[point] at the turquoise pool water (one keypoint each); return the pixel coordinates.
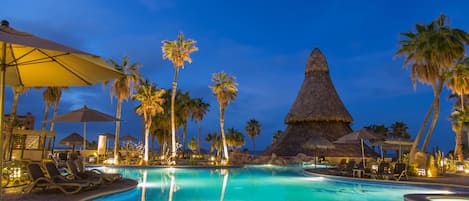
(256, 183)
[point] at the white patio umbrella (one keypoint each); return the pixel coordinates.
(30, 61)
(359, 136)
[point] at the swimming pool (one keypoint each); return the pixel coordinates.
(272, 183)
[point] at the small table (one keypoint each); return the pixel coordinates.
(358, 172)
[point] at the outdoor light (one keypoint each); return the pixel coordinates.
(429, 173)
(374, 167)
(212, 158)
(421, 172)
(16, 172)
(162, 157)
(466, 171)
(459, 167)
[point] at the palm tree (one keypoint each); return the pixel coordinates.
(277, 135)
(199, 111)
(235, 138)
(214, 139)
(122, 88)
(460, 120)
(151, 104)
(458, 82)
(51, 97)
(253, 128)
(17, 91)
(178, 52)
(193, 144)
(225, 89)
(399, 129)
(430, 52)
(184, 112)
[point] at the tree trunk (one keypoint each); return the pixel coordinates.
(253, 146)
(6, 143)
(52, 124)
(413, 150)
(459, 133)
(435, 116)
(198, 136)
(147, 133)
(44, 125)
(117, 134)
(173, 125)
(184, 135)
(458, 146)
(222, 131)
(46, 113)
(152, 142)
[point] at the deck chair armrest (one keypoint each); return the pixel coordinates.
(62, 178)
(43, 179)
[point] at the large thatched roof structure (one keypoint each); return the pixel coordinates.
(317, 112)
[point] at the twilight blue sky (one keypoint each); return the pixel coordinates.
(264, 44)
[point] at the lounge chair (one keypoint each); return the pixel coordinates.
(56, 176)
(400, 170)
(39, 180)
(348, 170)
(73, 169)
(107, 177)
(383, 171)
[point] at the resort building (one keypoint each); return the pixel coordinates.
(26, 120)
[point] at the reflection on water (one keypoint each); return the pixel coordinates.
(224, 172)
(271, 183)
(144, 184)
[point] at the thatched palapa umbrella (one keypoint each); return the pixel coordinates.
(358, 137)
(316, 144)
(128, 138)
(73, 139)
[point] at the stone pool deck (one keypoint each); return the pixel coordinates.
(15, 194)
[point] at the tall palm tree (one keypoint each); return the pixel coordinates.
(122, 88)
(17, 91)
(199, 111)
(150, 105)
(225, 89)
(178, 52)
(458, 82)
(51, 97)
(253, 128)
(430, 52)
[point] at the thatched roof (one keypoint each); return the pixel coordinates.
(297, 135)
(317, 113)
(317, 99)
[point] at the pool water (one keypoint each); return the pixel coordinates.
(272, 183)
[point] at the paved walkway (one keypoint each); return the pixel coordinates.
(460, 179)
(15, 194)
